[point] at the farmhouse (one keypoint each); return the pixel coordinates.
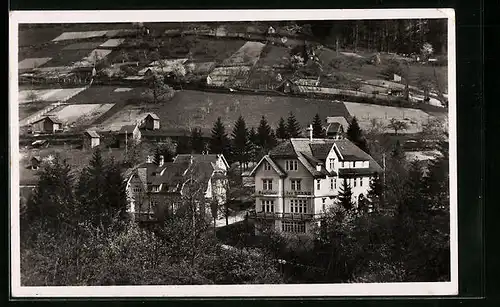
(300, 178)
(47, 124)
(150, 121)
(90, 139)
(155, 190)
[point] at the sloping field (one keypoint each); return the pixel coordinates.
(247, 55)
(28, 109)
(114, 42)
(48, 95)
(106, 94)
(230, 76)
(163, 66)
(30, 63)
(67, 57)
(214, 50)
(126, 116)
(94, 55)
(80, 114)
(201, 109)
(80, 35)
(366, 112)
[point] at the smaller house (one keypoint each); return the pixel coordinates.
(128, 135)
(338, 119)
(334, 131)
(91, 139)
(271, 30)
(35, 162)
(150, 121)
(46, 124)
(397, 78)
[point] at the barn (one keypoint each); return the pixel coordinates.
(47, 124)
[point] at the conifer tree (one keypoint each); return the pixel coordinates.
(293, 127)
(240, 141)
(53, 199)
(219, 141)
(281, 131)
(252, 144)
(355, 135)
(345, 195)
(183, 145)
(265, 135)
(318, 131)
(376, 192)
(436, 183)
(196, 143)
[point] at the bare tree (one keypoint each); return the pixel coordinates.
(397, 125)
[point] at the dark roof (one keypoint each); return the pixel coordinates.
(273, 164)
(152, 115)
(92, 133)
(284, 149)
(333, 128)
(351, 152)
(52, 118)
(321, 151)
(127, 129)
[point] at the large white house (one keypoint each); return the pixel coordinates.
(300, 178)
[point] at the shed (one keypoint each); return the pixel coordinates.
(150, 121)
(47, 124)
(91, 139)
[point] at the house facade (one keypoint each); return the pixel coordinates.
(47, 124)
(156, 189)
(301, 178)
(91, 139)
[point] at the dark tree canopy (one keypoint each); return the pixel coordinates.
(318, 131)
(240, 141)
(265, 138)
(293, 128)
(219, 141)
(345, 195)
(197, 143)
(355, 135)
(281, 130)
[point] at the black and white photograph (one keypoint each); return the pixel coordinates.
(243, 154)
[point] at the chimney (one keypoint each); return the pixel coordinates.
(149, 159)
(162, 161)
(310, 129)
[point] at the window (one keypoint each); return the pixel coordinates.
(137, 189)
(153, 202)
(318, 184)
(355, 180)
(354, 164)
(267, 206)
(267, 166)
(323, 203)
(361, 181)
(298, 206)
(296, 227)
(335, 183)
(332, 183)
(343, 164)
(291, 165)
(267, 184)
(155, 188)
(332, 163)
(295, 184)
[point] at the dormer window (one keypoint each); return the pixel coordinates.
(291, 165)
(155, 188)
(332, 163)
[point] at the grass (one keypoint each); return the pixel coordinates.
(28, 109)
(81, 114)
(189, 109)
(106, 94)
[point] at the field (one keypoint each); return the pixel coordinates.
(366, 112)
(30, 63)
(189, 109)
(28, 109)
(126, 116)
(80, 114)
(107, 94)
(53, 95)
(247, 55)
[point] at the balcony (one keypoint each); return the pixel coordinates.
(285, 216)
(266, 193)
(297, 193)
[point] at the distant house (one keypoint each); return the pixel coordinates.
(397, 78)
(155, 190)
(297, 84)
(35, 162)
(271, 30)
(91, 139)
(47, 124)
(338, 119)
(221, 31)
(128, 135)
(150, 122)
(334, 131)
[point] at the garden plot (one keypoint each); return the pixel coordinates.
(84, 45)
(48, 95)
(31, 63)
(124, 117)
(95, 55)
(164, 66)
(80, 35)
(200, 68)
(225, 76)
(365, 113)
(247, 55)
(114, 42)
(80, 114)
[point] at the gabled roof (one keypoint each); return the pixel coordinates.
(153, 116)
(351, 152)
(338, 119)
(52, 118)
(92, 133)
(284, 149)
(273, 164)
(199, 158)
(333, 128)
(127, 129)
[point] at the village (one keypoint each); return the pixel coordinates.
(260, 126)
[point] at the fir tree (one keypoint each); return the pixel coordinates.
(252, 144)
(53, 199)
(281, 131)
(345, 196)
(355, 135)
(196, 143)
(240, 141)
(436, 183)
(293, 127)
(376, 192)
(265, 135)
(398, 152)
(219, 142)
(318, 131)
(183, 145)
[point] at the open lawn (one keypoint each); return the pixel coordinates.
(52, 95)
(189, 109)
(80, 114)
(366, 112)
(28, 109)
